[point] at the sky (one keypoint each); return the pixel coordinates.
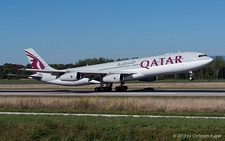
(64, 31)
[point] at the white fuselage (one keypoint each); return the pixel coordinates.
(140, 68)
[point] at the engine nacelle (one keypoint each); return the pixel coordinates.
(149, 79)
(72, 76)
(113, 78)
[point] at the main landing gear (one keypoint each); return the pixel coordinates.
(103, 89)
(108, 88)
(121, 88)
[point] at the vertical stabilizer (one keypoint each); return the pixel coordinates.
(36, 61)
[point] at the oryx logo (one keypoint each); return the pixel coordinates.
(34, 61)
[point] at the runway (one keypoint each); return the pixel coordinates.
(144, 92)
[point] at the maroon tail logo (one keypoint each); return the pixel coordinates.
(35, 62)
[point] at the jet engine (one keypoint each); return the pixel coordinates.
(72, 76)
(113, 78)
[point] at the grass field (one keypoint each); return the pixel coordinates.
(25, 127)
(198, 106)
(102, 128)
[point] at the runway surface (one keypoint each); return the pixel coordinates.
(144, 92)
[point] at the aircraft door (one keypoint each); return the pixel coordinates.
(188, 57)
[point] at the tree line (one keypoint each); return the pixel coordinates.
(215, 70)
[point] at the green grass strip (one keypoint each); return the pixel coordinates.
(23, 127)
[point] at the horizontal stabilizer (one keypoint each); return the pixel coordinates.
(45, 71)
(17, 67)
(26, 76)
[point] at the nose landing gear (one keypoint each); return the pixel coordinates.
(191, 78)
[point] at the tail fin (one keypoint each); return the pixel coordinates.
(36, 61)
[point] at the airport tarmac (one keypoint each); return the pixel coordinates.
(143, 92)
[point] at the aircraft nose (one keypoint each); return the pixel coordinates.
(210, 59)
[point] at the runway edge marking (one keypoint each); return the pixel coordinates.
(109, 115)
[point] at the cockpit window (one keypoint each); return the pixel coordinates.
(202, 55)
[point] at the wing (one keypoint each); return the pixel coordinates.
(94, 75)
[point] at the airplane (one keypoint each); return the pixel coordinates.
(142, 69)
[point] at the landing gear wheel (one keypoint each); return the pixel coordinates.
(97, 89)
(124, 88)
(103, 89)
(121, 88)
(108, 89)
(118, 89)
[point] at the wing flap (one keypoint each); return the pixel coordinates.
(104, 72)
